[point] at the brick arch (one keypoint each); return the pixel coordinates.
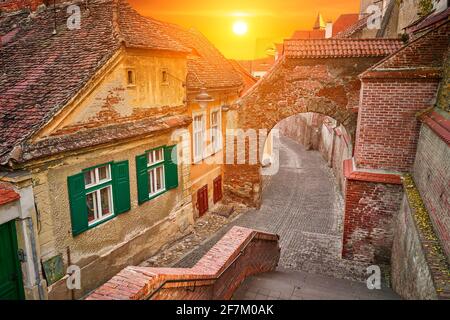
(326, 86)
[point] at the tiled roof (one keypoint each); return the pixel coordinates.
(352, 29)
(309, 34)
(345, 21)
(8, 196)
(248, 80)
(341, 48)
(421, 56)
(206, 65)
(40, 72)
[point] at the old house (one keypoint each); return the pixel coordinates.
(213, 84)
(87, 123)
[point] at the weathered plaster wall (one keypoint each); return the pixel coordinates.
(109, 99)
(128, 238)
(204, 172)
(407, 14)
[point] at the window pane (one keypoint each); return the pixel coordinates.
(91, 201)
(88, 177)
(159, 178)
(151, 182)
(105, 201)
(103, 173)
(158, 155)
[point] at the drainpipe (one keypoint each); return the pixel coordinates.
(29, 223)
(333, 141)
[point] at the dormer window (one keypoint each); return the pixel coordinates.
(131, 78)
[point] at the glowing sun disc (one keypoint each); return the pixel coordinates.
(240, 28)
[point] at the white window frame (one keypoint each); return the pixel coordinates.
(98, 210)
(201, 130)
(152, 171)
(218, 145)
(95, 177)
(152, 168)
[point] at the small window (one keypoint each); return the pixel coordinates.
(199, 137)
(97, 195)
(155, 157)
(157, 172)
(131, 78)
(99, 201)
(164, 77)
(216, 130)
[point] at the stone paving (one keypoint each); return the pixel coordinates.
(297, 285)
(301, 203)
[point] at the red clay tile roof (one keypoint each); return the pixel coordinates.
(423, 56)
(351, 30)
(309, 34)
(341, 48)
(206, 65)
(40, 72)
(248, 80)
(8, 196)
(344, 22)
(428, 21)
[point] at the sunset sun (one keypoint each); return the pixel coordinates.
(240, 28)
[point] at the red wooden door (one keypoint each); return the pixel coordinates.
(217, 196)
(202, 200)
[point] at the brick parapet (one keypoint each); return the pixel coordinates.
(248, 251)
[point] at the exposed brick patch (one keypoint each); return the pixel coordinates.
(368, 222)
(15, 5)
(240, 253)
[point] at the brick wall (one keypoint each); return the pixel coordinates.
(432, 176)
(388, 128)
(15, 5)
(419, 269)
(368, 222)
(240, 253)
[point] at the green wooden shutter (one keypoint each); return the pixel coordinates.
(171, 167)
(78, 207)
(142, 178)
(121, 187)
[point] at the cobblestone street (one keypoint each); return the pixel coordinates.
(301, 203)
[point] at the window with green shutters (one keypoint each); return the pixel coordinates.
(157, 172)
(98, 194)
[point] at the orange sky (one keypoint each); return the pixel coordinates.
(268, 20)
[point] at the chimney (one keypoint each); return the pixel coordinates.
(17, 5)
(329, 30)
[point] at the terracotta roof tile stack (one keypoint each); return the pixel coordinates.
(340, 48)
(206, 65)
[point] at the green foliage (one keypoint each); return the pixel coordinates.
(425, 7)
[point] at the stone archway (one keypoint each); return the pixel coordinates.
(329, 86)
